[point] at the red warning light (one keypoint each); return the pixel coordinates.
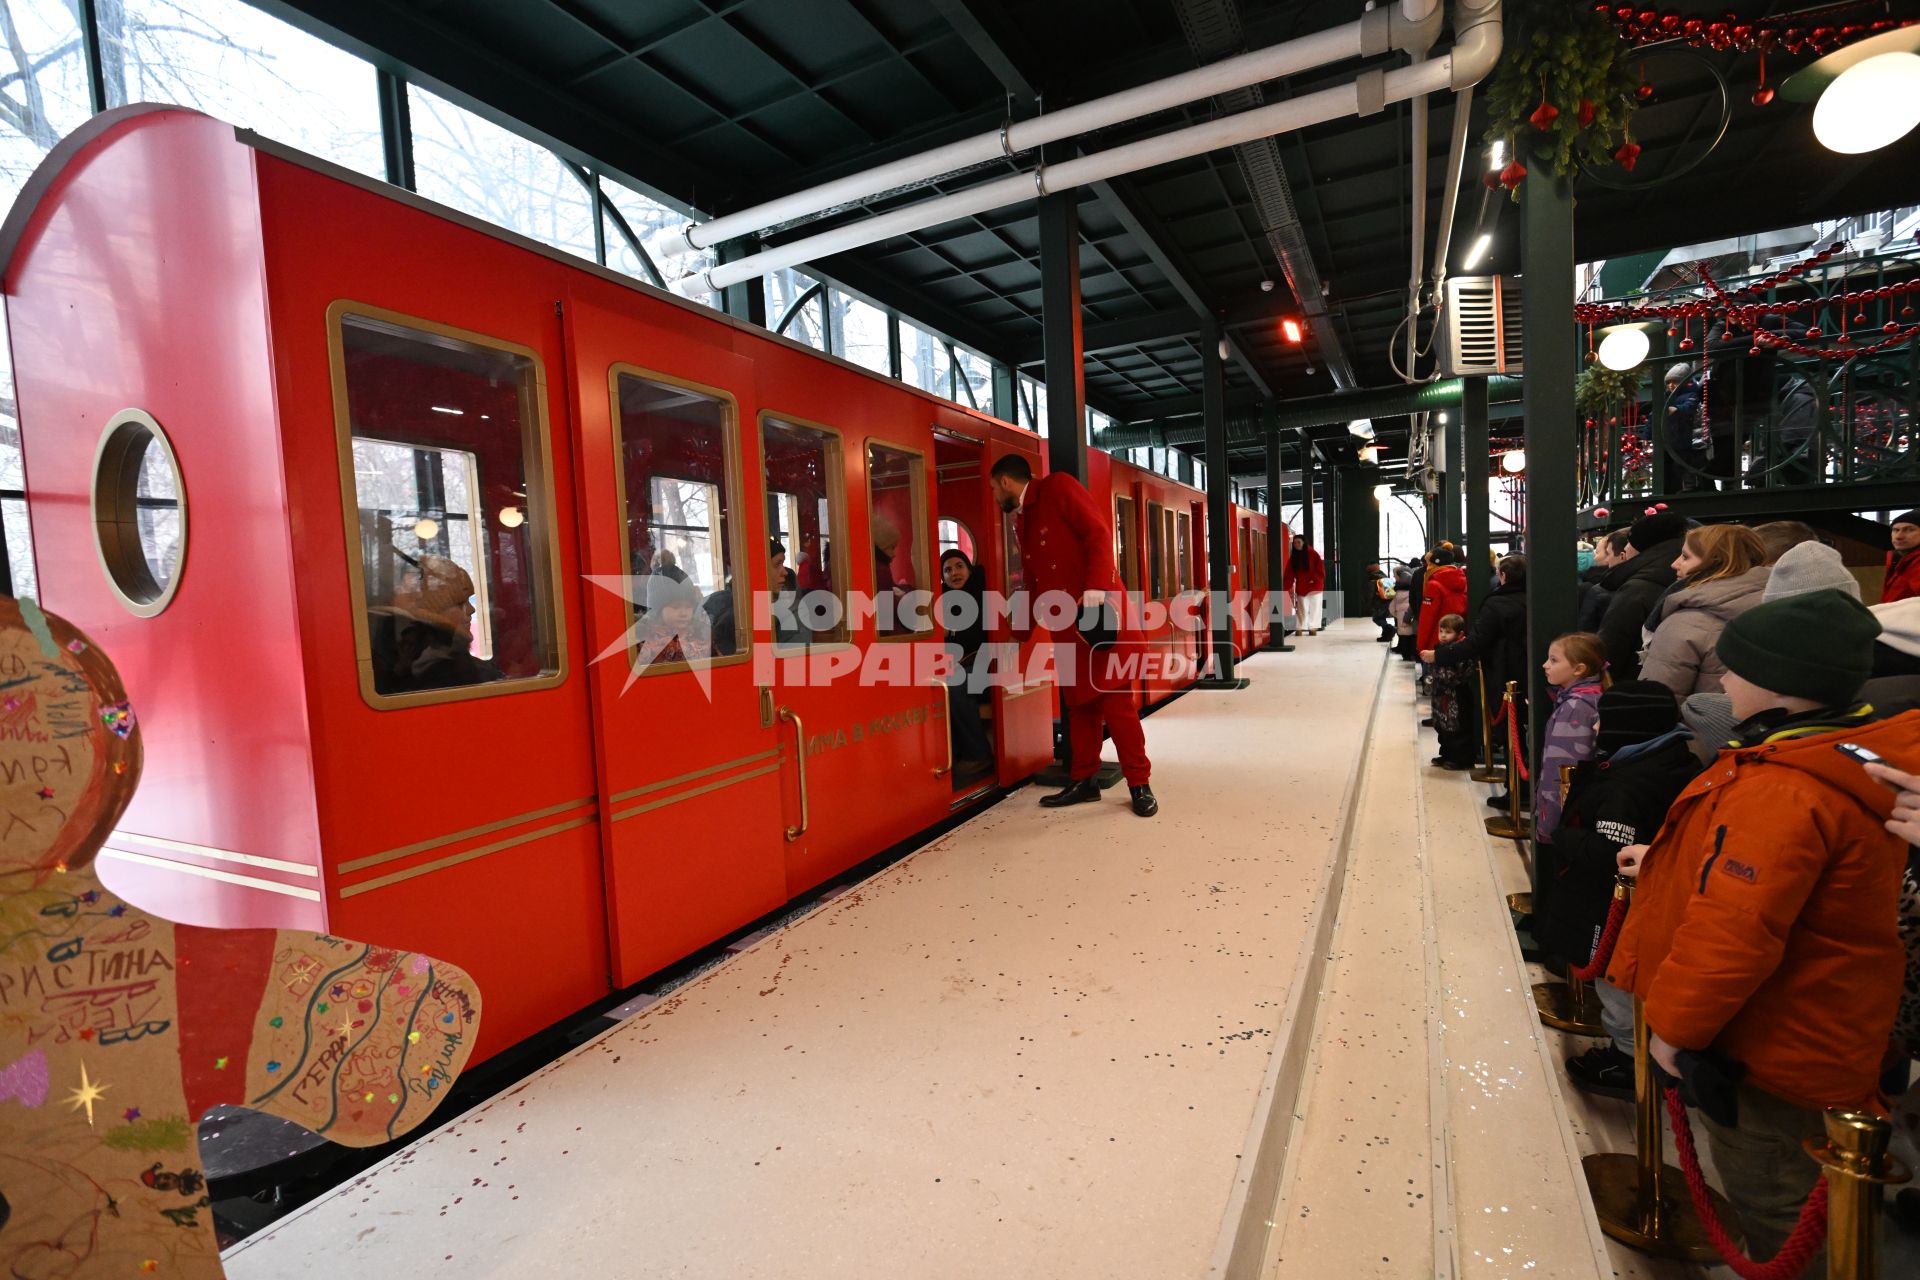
(1290, 330)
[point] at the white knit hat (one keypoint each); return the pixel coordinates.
(1809, 566)
(1679, 372)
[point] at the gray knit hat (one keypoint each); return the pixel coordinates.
(1679, 372)
(1710, 716)
(1810, 566)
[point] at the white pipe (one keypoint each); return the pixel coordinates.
(1472, 56)
(1450, 200)
(1290, 58)
(1419, 247)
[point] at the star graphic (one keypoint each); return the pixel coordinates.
(345, 1029)
(117, 910)
(219, 1064)
(86, 1095)
(133, 1113)
(45, 793)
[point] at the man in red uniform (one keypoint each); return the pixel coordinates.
(1066, 547)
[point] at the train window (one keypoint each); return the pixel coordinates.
(1156, 553)
(897, 517)
(955, 536)
(806, 506)
(679, 487)
(1183, 557)
(139, 515)
(444, 463)
(1126, 544)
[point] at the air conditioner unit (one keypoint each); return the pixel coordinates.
(1480, 327)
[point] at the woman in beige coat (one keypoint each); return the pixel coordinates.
(1722, 575)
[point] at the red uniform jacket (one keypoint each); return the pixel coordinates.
(1903, 577)
(1066, 545)
(1305, 582)
(1445, 593)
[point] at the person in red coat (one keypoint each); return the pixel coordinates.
(1066, 547)
(1903, 562)
(1445, 592)
(1305, 580)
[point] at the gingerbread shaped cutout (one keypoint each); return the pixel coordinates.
(119, 1029)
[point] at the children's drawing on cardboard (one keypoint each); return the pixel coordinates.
(118, 1029)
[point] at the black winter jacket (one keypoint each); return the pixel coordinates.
(1497, 638)
(1594, 594)
(1637, 587)
(1610, 805)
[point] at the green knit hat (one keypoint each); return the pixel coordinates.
(1818, 646)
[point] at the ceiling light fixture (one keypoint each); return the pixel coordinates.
(1871, 104)
(1361, 427)
(1624, 348)
(1513, 461)
(1290, 330)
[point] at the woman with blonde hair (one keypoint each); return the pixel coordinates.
(1723, 574)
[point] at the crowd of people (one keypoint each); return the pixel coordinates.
(1732, 729)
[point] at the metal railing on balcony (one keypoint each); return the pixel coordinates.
(1796, 407)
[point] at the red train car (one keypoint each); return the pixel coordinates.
(384, 424)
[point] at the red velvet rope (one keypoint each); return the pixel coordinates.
(1513, 743)
(1603, 950)
(1808, 1234)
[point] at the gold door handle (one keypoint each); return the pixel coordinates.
(941, 773)
(800, 754)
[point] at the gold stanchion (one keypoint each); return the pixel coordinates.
(1484, 771)
(1512, 825)
(1570, 1005)
(1641, 1200)
(1854, 1154)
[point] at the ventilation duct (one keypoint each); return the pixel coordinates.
(1480, 327)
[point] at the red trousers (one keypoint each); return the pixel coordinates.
(1090, 710)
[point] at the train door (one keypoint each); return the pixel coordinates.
(689, 754)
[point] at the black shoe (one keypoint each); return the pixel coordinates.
(1427, 723)
(1604, 1071)
(1499, 802)
(1451, 766)
(1084, 791)
(1143, 802)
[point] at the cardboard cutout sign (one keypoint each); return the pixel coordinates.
(118, 1029)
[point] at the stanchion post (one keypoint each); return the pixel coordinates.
(1485, 772)
(1854, 1155)
(1513, 826)
(1630, 1191)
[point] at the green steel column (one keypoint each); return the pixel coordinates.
(1277, 545)
(1066, 377)
(1476, 470)
(1456, 499)
(1546, 237)
(1359, 537)
(1213, 398)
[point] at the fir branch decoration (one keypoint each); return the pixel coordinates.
(1563, 91)
(1601, 391)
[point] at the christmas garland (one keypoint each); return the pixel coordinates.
(1562, 92)
(1600, 389)
(1806, 31)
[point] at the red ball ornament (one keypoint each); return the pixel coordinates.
(1753, 351)
(1643, 91)
(1891, 326)
(1693, 26)
(1624, 13)
(1601, 513)
(1686, 344)
(1492, 180)
(1763, 95)
(1647, 17)
(1628, 155)
(1813, 332)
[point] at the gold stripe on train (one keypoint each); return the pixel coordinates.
(407, 850)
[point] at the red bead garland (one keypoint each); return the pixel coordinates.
(1747, 35)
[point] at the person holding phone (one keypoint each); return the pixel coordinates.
(1763, 940)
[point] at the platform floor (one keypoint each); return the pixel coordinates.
(1283, 1030)
(1041, 1046)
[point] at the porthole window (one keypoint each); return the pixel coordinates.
(139, 512)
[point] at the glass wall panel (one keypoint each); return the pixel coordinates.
(479, 168)
(806, 503)
(449, 481)
(680, 486)
(976, 376)
(227, 58)
(897, 514)
(785, 287)
(924, 361)
(859, 331)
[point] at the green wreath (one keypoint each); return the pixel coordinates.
(1562, 91)
(1601, 390)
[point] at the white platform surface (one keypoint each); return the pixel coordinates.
(1035, 1048)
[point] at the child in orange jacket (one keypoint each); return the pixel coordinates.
(1763, 930)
